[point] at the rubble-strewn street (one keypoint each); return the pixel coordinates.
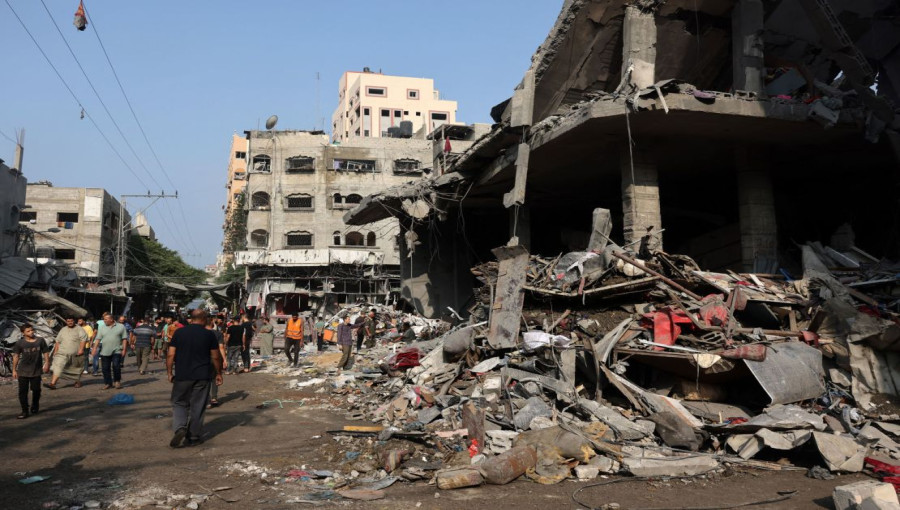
(95, 452)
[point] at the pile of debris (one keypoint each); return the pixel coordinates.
(650, 367)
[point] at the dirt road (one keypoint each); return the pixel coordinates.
(95, 452)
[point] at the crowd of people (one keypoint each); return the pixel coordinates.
(198, 350)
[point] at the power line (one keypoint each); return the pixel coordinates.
(7, 137)
(72, 93)
(143, 132)
(94, 89)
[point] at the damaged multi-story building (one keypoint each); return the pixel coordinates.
(299, 254)
(726, 130)
(77, 226)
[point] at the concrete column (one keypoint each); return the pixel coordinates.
(747, 45)
(756, 208)
(639, 45)
(640, 196)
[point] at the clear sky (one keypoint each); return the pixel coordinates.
(198, 71)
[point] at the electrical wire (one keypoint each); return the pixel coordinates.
(74, 96)
(7, 137)
(181, 237)
(99, 98)
(781, 497)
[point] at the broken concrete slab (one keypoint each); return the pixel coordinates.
(509, 297)
(670, 466)
(866, 495)
(841, 453)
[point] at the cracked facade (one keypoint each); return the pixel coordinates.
(727, 130)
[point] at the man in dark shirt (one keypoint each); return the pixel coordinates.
(235, 339)
(27, 368)
(143, 337)
(249, 329)
(194, 356)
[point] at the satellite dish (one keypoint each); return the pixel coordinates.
(271, 121)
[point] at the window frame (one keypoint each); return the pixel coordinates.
(287, 236)
(256, 233)
(59, 217)
(417, 97)
(370, 87)
(32, 214)
(286, 202)
(311, 168)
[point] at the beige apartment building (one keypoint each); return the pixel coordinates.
(376, 105)
(78, 226)
(234, 185)
(300, 255)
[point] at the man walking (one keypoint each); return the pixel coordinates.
(309, 329)
(27, 368)
(192, 362)
(234, 339)
(320, 333)
(142, 338)
(110, 342)
(85, 324)
(68, 354)
(249, 330)
(293, 338)
(220, 340)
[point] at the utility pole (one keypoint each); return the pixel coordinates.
(20, 150)
(120, 247)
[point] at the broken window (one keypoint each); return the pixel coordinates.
(354, 239)
(300, 164)
(370, 239)
(64, 254)
(407, 166)
(376, 91)
(27, 216)
(240, 155)
(298, 201)
(260, 201)
(338, 199)
(259, 238)
(355, 165)
(240, 176)
(67, 217)
(336, 238)
(438, 119)
(298, 239)
(262, 163)
(352, 198)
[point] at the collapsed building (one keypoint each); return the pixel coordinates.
(728, 130)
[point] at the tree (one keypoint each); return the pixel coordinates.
(149, 260)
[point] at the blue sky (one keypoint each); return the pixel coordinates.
(198, 71)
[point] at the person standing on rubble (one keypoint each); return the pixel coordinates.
(27, 368)
(68, 354)
(266, 336)
(234, 339)
(293, 339)
(320, 333)
(345, 341)
(193, 361)
(309, 329)
(369, 329)
(110, 343)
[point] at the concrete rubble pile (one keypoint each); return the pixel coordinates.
(634, 363)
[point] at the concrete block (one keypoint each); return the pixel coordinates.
(604, 464)
(587, 472)
(866, 495)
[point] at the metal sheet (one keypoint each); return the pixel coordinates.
(14, 274)
(509, 296)
(791, 372)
